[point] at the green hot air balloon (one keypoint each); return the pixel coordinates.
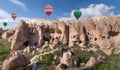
(77, 14)
(5, 24)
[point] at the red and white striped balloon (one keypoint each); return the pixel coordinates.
(48, 10)
(14, 16)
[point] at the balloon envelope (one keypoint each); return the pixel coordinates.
(5, 23)
(14, 16)
(77, 14)
(48, 10)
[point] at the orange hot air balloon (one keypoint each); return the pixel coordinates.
(48, 10)
(14, 16)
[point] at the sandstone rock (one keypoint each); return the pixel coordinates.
(106, 46)
(91, 62)
(13, 62)
(65, 61)
(74, 33)
(38, 33)
(99, 58)
(56, 60)
(20, 36)
(103, 31)
(82, 64)
(5, 35)
(8, 34)
(27, 50)
(68, 59)
(58, 67)
(61, 67)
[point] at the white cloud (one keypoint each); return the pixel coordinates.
(4, 14)
(97, 10)
(92, 10)
(71, 16)
(65, 18)
(19, 3)
(6, 17)
(66, 14)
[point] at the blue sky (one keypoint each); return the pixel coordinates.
(63, 9)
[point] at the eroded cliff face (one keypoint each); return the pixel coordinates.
(103, 31)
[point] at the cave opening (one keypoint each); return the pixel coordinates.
(113, 33)
(52, 30)
(26, 43)
(74, 36)
(80, 41)
(36, 44)
(46, 38)
(103, 37)
(88, 33)
(59, 31)
(95, 39)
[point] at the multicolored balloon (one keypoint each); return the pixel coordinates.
(77, 14)
(5, 24)
(14, 16)
(48, 10)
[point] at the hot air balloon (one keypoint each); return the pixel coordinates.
(77, 14)
(5, 24)
(14, 16)
(48, 10)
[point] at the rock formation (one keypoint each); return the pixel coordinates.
(103, 31)
(66, 60)
(13, 62)
(91, 62)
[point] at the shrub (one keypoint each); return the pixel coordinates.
(49, 58)
(65, 49)
(29, 55)
(82, 57)
(58, 53)
(39, 61)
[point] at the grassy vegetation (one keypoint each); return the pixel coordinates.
(111, 62)
(1, 31)
(29, 55)
(4, 49)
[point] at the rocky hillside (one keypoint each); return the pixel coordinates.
(37, 34)
(102, 31)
